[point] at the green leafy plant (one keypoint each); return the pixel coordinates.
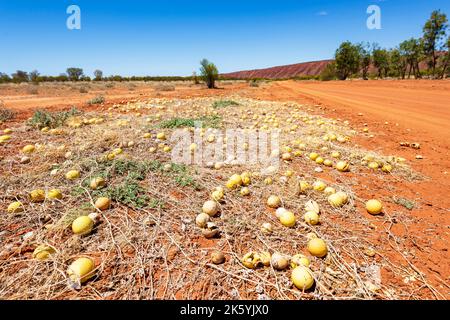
(42, 118)
(224, 103)
(96, 100)
(205, 121)
(209, 73)
(6, 114)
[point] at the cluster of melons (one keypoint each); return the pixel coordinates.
(314, 156)
(374, 164)
(301, 276)
(210, 209)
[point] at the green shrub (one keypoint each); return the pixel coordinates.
(96, 100)
(6, 114)
(42, 118)
(224, 103)
(209, 73)
(206, 122)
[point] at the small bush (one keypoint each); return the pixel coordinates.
(42, 118)
(329, 73)
(6, 114)
(206, 122)
(96, 100)
(254, 83)
(165, 87)
(408, 204)
(84, 90)
(224, 103)
(32, 90)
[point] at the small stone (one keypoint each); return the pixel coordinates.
(25, 160)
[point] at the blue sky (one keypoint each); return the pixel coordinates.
(170, 37)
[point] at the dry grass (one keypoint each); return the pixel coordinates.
(153, 249)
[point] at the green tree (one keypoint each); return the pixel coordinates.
(329, 73)
(74, 74)
(364, 59)
(398, 62)
(412, 50)
(445, 60)
(34, 76)
(381, 61)
(209, 73)
(20, 76)
(4, 78)
(434, 32)
(98, 75)
(347, 60)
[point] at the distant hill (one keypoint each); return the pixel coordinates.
(313, 68)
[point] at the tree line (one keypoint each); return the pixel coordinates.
(433, 48)
(77, 74)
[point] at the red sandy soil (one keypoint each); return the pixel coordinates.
(393, 110)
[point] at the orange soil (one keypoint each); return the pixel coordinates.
(415, 111)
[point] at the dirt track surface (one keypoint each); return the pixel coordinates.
(393, 111)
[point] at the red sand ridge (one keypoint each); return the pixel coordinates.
(313, 68)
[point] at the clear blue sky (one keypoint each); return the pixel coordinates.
(170, 37)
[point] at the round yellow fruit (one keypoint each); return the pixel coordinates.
(374, 206)
(287, 156)
(311, 218)
(342, 166)
(336, 154)
(4, 138)
(234, 181)
(265, 258)
(37, 195)
(81, 270)
(327, 163)
(201, 220)
(266, 227)
(386, 168)
(299, 260)
(82, 225)
(161, 136)
(210, 208)
(329, 190)
(245, 191)
(336, 200)
(73, 174)
(28, 149)
(15, 207)
(268, 181)
(317, 247)
(302, 278)
(274, 201)
(373, 165)
(217, 195)
(103, 203)
(319, 160)
(54, 194)
(287, 219)
(245, 177)
(251, 260)
(97, 183)
(304, 186)
(279, 261)
(313, 156)
(319, 185)
(42, 252)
